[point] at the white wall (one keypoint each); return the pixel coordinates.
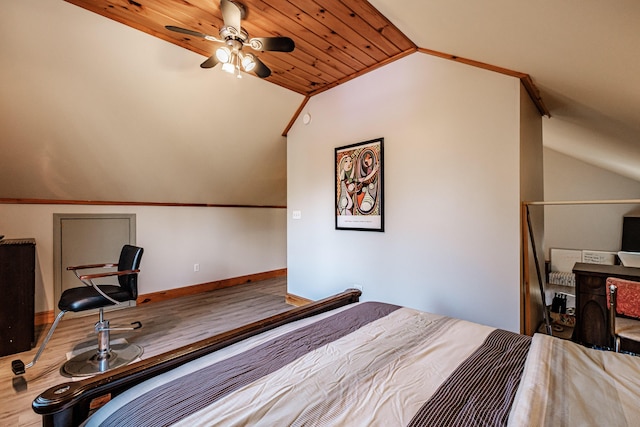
(226, 242)
(594, 227)
(532, 188)
(452, 191)
(91, 109)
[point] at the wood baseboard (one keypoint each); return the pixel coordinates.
(46, 317)
(209, 286)
(296, 300)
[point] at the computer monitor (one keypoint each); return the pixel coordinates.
(631, 234)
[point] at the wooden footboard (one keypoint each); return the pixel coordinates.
(70, 403)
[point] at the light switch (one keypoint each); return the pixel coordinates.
(297, 214)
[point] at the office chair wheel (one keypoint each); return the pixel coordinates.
(90, 363)
(17, 366)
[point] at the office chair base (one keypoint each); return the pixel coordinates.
(88, 363)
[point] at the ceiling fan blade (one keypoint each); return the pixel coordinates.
(211, 62)
(275, 44)
(185, 31)
(261, 70)
(231, 14)
(192, 33)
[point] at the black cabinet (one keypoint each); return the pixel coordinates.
(17, 288)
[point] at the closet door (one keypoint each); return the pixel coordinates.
(81, 239)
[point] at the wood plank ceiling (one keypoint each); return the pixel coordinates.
(336, 40)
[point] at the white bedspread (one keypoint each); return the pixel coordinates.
(359, 379)
(565, 384)
(374, 364)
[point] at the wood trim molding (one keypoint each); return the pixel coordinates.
(209, 286)
(534, 94)
(295, 115)
(46, 317)
(295, 300)
(525, 79)
(12, 201)
(525, 297)
(343, 80)
(365, 71)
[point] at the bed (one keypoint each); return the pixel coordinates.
(340, 362)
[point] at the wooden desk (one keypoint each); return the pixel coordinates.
(592, 320)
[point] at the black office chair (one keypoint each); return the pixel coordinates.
(94, 296)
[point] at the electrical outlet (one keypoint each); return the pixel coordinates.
(196, 267)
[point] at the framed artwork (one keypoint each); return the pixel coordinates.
(359, 186)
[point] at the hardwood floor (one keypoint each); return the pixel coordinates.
(166, 325)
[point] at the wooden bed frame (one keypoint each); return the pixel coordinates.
(70, 403)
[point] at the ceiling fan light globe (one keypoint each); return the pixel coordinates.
(228, 67)
(248, 63)
(223, 54)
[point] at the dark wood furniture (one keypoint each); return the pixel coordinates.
(17, 288)
(592, 322)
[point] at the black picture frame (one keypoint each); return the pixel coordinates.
(359, 186)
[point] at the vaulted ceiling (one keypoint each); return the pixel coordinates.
(79, 89)
(335, 40)
(582, 57)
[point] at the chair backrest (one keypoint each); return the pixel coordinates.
(130, 257)
(627, 297)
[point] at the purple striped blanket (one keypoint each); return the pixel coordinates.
(365, 364)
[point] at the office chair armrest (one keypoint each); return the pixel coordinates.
(82, 267)
(107, 274)
(87, 279)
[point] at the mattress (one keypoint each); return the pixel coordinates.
(371, 364)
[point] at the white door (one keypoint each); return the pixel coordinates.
(82, 239)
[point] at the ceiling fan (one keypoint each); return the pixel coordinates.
(233, 38)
